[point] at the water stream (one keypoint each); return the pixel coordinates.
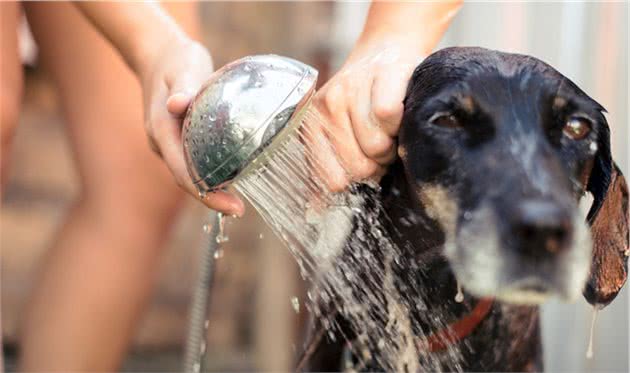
(342, 247)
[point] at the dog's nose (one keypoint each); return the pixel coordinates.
(541, 228)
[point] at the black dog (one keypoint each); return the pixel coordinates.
(496, 150)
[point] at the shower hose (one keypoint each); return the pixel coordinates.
(194, 351)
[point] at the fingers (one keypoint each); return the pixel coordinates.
(321, 156)
(186, 78)
(375, 142)
(339, 101)
(167, 134)
(170, 91)
(362, 108)
(224, 202)
(177, 104)
(387, 96)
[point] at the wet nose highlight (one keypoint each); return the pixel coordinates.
(541, 228)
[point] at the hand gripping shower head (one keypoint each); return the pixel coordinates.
(238, 114)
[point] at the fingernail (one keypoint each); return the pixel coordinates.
(239, 209)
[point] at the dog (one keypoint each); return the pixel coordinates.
(495, 152)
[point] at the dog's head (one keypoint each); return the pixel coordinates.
(498, 149)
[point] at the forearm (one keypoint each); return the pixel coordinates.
(137, 30)
(421, 24)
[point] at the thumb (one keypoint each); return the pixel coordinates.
(182, 90)
(177, 103)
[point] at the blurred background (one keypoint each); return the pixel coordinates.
(253, 325)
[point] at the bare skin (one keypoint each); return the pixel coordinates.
(363, 102)
(98, 276)
(171, 68)
(10, 77)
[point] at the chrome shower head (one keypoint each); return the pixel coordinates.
(242, 108)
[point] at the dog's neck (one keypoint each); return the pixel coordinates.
(420, 240)
(411, 228)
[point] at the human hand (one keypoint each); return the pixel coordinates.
(170, 81)
(362, 106)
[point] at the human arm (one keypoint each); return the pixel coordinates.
(363, 102)
(171, 68)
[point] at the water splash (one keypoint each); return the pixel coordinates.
(343, 247)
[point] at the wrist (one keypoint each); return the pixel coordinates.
(411, 38)
(402, 48)
(417, 26)
(149, 46)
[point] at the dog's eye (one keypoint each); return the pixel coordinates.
(577, 128)
(445, 120)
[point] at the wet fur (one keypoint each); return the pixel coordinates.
(508, 339)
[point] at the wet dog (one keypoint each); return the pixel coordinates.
(496, 150)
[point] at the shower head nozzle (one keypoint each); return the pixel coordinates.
(239, 111)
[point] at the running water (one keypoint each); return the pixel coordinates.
(221, 237)
(342, 247)
(589, 350)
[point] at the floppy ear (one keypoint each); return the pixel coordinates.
(608, 218)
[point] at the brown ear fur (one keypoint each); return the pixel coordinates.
(609, 229)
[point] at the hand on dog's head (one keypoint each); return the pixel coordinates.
(498, 148)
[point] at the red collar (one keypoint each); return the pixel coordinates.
(457, 330)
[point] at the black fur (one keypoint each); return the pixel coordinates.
(502, 102)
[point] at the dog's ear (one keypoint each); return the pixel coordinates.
(608, 218)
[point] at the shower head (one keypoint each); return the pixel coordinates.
(242, 108)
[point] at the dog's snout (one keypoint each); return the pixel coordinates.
(541, 228)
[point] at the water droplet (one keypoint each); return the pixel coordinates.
(593, 147)
(218, 254)
(459, 297)
(295, 303)
(260, 236)
(202, 194)
(221, 237)
(467, 215)
(207, 228)
(331, 336)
